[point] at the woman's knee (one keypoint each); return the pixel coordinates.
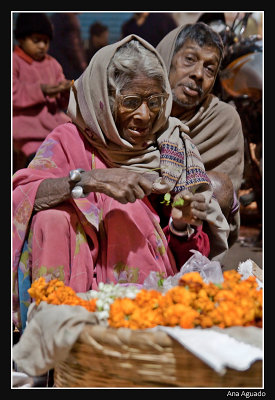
(53, 219)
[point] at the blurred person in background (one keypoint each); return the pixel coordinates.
(99, 37)
(40, 90)
(67, 45)
(150, 26)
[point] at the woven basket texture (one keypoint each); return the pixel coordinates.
(106, 357)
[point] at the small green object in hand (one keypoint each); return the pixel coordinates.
(179, 202)
(167, 199)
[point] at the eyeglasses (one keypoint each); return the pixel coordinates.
(133, 101)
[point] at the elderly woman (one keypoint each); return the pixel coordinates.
(89, 207)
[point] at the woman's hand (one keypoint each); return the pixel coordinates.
(192, 212)
(121, 184)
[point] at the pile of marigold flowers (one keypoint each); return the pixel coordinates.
(55, 292)
(193, 303)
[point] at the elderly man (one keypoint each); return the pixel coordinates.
(193, 54)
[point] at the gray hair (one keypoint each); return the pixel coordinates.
(202, 34)
(132, 60)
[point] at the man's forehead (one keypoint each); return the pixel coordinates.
(191, 44)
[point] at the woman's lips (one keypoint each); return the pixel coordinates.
(139, 132)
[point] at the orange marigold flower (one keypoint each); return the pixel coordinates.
(121, 311)
(55, 292)
(224, 294)
(205, 321)
(179, 294)
(193, 280)
(192, 303)
(172, 315)
(148, 298)
(189, 319)
(203, 304)
(212, 289)
(232, 275)
(144, 318)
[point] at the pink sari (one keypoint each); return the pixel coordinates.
(83, 241)
(97, 239)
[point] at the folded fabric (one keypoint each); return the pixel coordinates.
(21, 380)
(218, 349)
(50, 333)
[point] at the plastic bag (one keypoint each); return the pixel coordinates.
(210, 271)
(246, 270)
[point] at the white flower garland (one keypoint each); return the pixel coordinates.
(107, 293)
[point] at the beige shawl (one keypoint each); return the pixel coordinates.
(90, 110)
(215, 128)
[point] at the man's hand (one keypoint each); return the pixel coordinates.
(192, 212)
(121, 184)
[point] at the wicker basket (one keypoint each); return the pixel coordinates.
(106, 357)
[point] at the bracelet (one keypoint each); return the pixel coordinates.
(75, 176)
(187, 232)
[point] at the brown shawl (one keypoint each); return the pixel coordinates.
(215, 128)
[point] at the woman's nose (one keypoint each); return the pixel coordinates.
(143, 112)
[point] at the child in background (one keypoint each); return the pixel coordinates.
(40, 90)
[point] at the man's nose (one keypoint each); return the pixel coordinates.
(197, 71)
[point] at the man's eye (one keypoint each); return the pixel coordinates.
(189, 58)
(210, 70)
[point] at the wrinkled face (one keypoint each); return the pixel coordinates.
(135, 126)
(193, 73)
(35, 45)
